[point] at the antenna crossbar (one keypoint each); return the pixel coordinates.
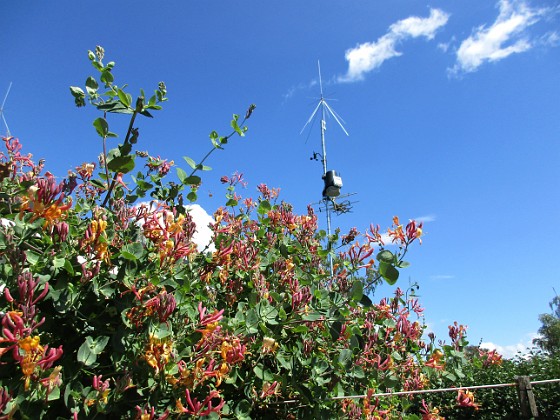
(2, 110)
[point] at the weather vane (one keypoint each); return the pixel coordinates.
(332, 181)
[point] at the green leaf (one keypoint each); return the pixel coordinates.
(125, 99)
(182, 175)
(243, 410)
(122, 164)
(161, 331)
(313, 316)
(91, 85)
(389, 273)
(68, 267)
(88, 351)
(264, 207)
(391, 381)
(107, 77)
(357, 372)
(202, 167)
(115, 107)
(366, 301)
(345, 357)
(235, 125)
(385, 256)
(284, 361)
(101, 126)
(192, 197)
(58, 262)
(262, 373)
(136, 250)
(192, 180)
(357, 291)
(190, 162)
(79, 96)
(403, 264)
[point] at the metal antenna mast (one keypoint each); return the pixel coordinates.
(2, 110)
(333, 183)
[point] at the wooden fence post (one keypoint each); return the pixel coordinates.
(526, 397)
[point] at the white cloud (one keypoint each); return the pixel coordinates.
(426, 219)
(293, 89)
(442, 277)
(511, 350)
(551, 39)
(415, 26)
(506, 36)
(203, 235)
(371, 55)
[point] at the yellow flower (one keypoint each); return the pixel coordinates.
(269, 345)
(158, 352)
(32, 353)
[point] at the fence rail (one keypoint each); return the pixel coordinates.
(431, 391)
(523, 384)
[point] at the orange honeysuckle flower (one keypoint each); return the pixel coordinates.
(158, 352)
(35, 355)
(233, 352)
(465, 398)
(434, 361)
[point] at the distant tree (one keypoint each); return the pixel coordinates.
(549, 339)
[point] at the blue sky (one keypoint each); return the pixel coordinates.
(453, 110)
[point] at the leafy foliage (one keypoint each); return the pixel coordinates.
(549, 332)
(503, 403)
(110, 309)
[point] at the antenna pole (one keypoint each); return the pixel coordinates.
(328, 201)
(324, 161)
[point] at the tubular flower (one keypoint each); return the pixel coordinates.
(465, 398)
(201, 409)
(32, 355)
(269, 389)
(430, 413)
(233, 352)
(46, 199)
(171, 234)
(434, 361)
(396, 234)
(490, 358)
(413, 231)
(158, 352)
(102, 388)
(53, 380)
(149, 413)
(456, 333)
(212, 318)
(269, 345)
(95, 239)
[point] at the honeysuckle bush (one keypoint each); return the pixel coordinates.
(109, 309)
(486, 368)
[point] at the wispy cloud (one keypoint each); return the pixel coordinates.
(426, 219)
(294, 89)
(442, 277)
(369, 56)
(511, 350)
(506, 36)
